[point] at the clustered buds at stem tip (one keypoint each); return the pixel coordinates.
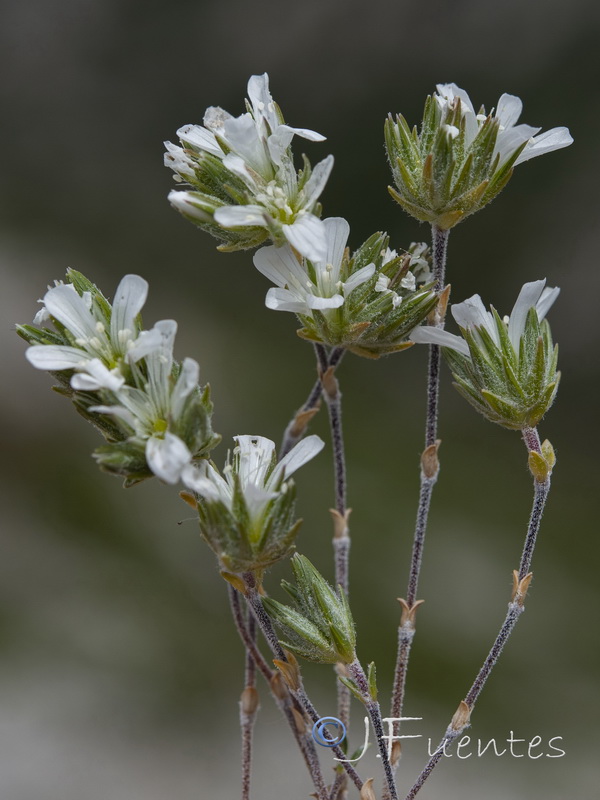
(460, 160)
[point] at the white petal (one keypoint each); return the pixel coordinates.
(280, 265)
(528, 297)
(146, 343)
(509, 110)
(261, 100)
(426, 334)
(242, 136)
(450, 90)
(55, 357)
(167, 457)
(176, 159)
(308, 235)
(318, 179)
(256, 499)
(65, 305)
(200, 138)
(95, 375)
(510, 139)
(306, 133)
(546, 301)
(189, 204)
(335, 301)
(471, 313)
(337, 231)
(254, 455)
(284, 300)
(186, 383)
(240, 216)
(195, 480)
(299, 455)
(358, 278)
(41, 316)
(545, 143)
(129, 300)
(117, 411)
(215, 119)
(238, 166)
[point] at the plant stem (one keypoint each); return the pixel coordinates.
(341, 537)
(515, 609)
(429, 474)
(297, 425)
(248, 711)
(356, 672)
(281, 695)
(298, 691)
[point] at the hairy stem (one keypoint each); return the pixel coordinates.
(341, 537)
(297, 425)
(287, 705)
(356, 672)
(429, 474)
(248, 711)
(515, 609)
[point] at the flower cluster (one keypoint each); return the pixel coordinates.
(320, 626)
(506, 368)
(152, 412)
(244, 185)
(368, 303)
(246, 514)
(460, 160)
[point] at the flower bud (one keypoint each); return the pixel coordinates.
(460, 160)
(319, 626)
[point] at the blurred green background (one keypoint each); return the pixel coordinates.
(120, 671)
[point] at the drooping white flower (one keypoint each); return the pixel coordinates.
(255, 148)
(301, 288)
(255, 469)
(472, 315)
(510, 135)
(98, 348)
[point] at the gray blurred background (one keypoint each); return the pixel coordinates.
(120, 671)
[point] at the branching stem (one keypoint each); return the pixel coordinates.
(515, 609)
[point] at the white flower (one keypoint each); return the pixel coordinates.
(98, 348)
(300, 289)
(255, 148)
(472, 315)
(510, 135)
(148, 413)
(253, 465)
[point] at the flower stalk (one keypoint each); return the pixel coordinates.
(522, 579)
(428, 478)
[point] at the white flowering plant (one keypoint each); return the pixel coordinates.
(241, 184)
